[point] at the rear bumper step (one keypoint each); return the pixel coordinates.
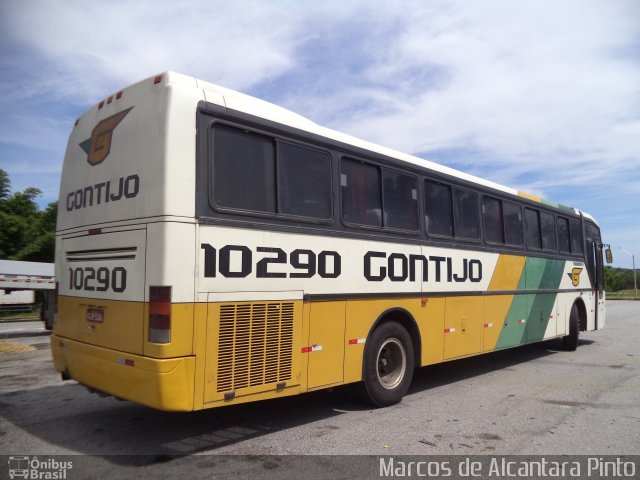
(165, 384)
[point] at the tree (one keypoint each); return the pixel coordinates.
(616, 279)
(26, 233)
(5, 185)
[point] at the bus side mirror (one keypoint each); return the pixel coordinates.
(608, 255)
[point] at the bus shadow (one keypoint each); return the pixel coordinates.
(70, 419)
(441, 374)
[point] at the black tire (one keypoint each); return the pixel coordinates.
(388, 364)
(570, 342)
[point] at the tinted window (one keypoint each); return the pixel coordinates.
(400, 193)
(244, 170)
(304, 181)
(575, 231)
(563, 235)
(548, 229)
(492, 220)
(532, 223)
(438, 209)
(361, 199)
(467, 222)
(514, 233)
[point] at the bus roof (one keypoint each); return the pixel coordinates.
(261, 108)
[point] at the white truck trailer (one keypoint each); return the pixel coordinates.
(19, 281)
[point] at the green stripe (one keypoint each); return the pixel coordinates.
(542, 304)
(559, 206)
(538, 274)
(549, 203)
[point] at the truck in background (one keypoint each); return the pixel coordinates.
(18, 283)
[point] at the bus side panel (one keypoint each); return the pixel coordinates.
(431, 325)
(464, 319)
(327, 342)
(361, 315)
(542, 274)
(506, 277)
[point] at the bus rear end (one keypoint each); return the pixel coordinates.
(125, 311)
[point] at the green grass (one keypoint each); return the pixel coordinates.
(10, 315)
(623, 295)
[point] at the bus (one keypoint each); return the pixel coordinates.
(214, 249)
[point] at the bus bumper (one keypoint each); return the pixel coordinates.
(165, 384)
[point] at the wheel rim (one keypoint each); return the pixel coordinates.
(391, 363)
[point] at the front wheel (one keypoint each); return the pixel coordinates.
(388, 364)
(570, 342)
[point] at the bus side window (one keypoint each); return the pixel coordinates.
(438, 209)
(575, 232)
(400, 193)
(563, 235)
(304, 181)
(532, 224)
(492, 220)
(513, 228)
(548, 231)
(361, 196)
(466, 214)
(243, 170)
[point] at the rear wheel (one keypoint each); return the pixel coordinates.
(570, 342)
(388, 364)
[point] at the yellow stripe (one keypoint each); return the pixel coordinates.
(505, 277)
(530, 196)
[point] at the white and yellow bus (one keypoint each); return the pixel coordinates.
(213, 249)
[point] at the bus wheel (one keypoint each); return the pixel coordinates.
(570, 342)
(388, 364)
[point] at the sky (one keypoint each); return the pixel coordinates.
(542, 96)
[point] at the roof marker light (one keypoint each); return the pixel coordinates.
(118, 95)
(157, 79)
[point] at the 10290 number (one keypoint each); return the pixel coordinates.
(98, 279)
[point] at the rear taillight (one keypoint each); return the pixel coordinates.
(160, 314)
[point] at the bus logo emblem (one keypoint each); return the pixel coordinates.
(98, 146)
(575, 276)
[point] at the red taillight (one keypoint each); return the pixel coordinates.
(160, 314)
(157, 79)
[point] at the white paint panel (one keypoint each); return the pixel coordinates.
(365, 266)
(88, 264)
(171, 259)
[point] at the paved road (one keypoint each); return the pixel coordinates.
(536, 399)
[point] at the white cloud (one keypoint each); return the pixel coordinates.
(88, 46)
(536, 87)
